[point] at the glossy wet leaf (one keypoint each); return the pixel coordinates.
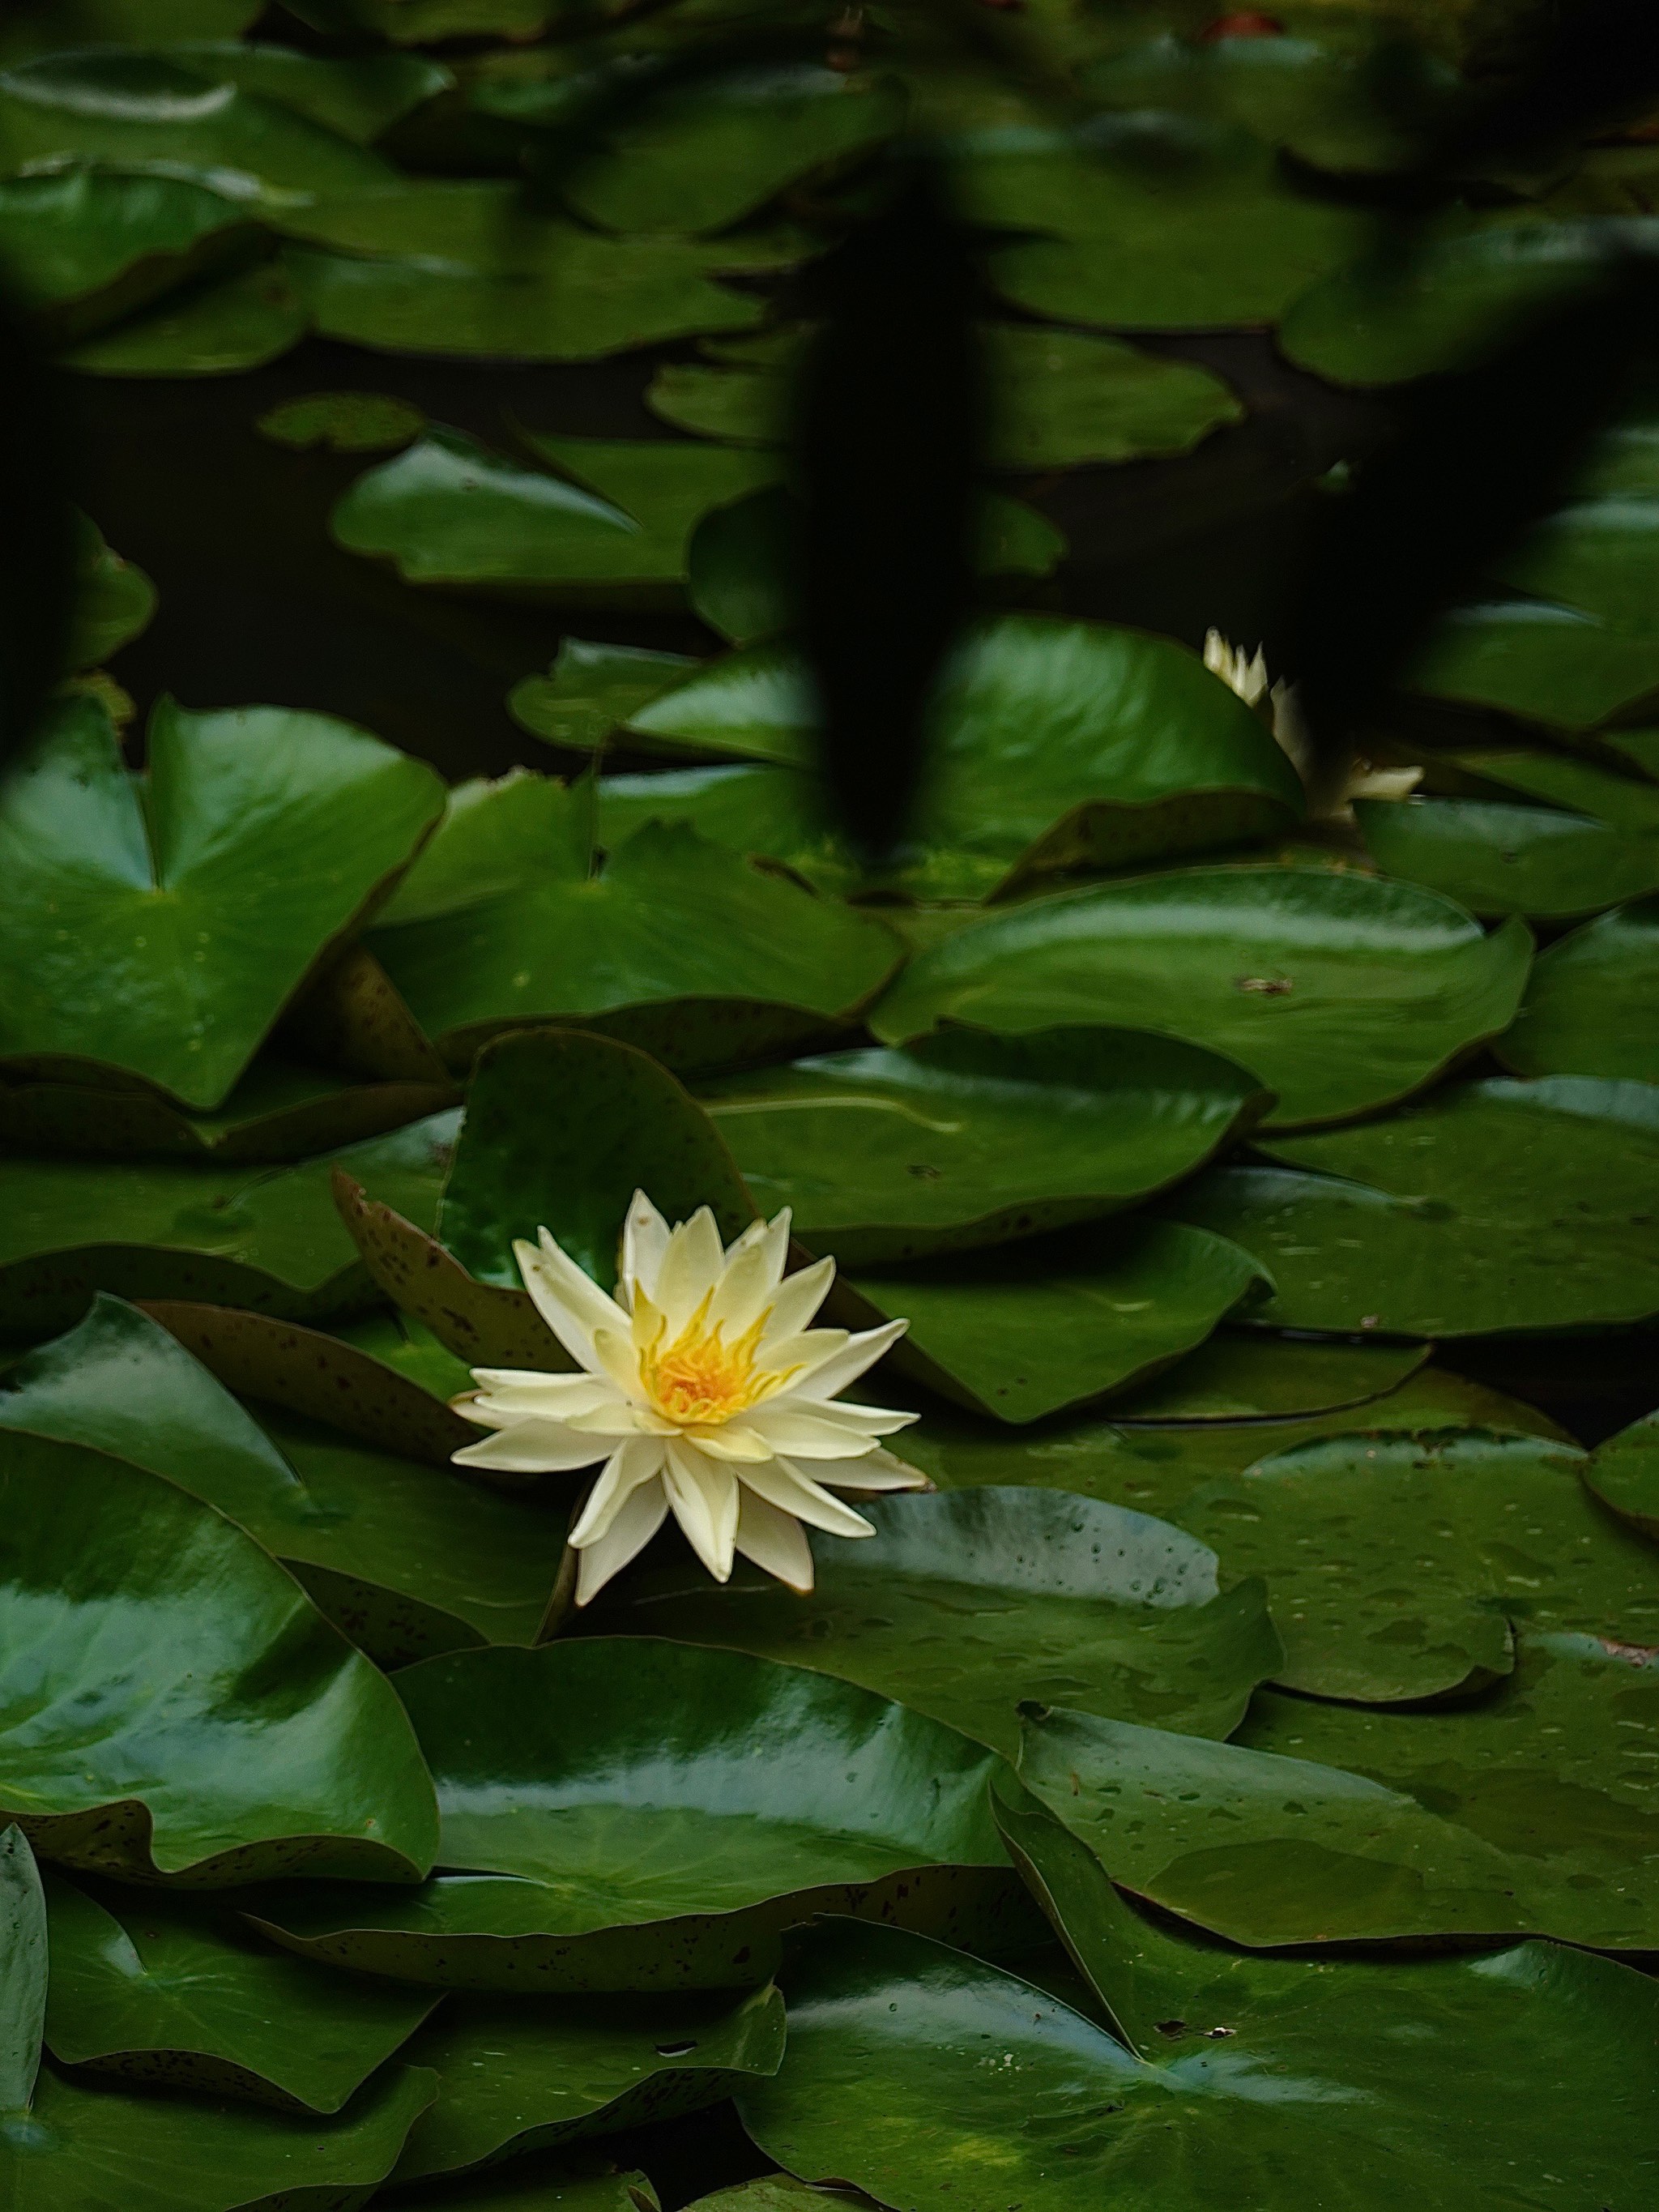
(1493, 1207)
(1233, 1377)
(780, 812)
(673, 943)
(561, 1130)
(1029, 1331)
(1546, 663)
(1340, 991)
(406, 1557)
(620, 1828)
(962, 1605)
(217, 327)
(177, 1993)
(113, 600)
(1058, 398)
(270, 1239)
(1592, 1002)
(133, 108)
(1623, 1473)
(91, 2144)
(519, 2075)
(976, 2089)
(964, 1137)
(1497, 859)
(159, 924)
(1396, 1566)
(1151, 222)
(1560, 779)
(343, 423)
(358, 98)
(174, 1706)
(23, 1968)
(1602, 555)
(591, 689)
(700, 154)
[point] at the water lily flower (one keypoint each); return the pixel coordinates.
(1248, 678)
(706, 1393)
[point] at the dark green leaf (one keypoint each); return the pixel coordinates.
(113, 601)
(357, 99)
(1546, 663)
(1623, 1473)
(23, 1965)
(591, 689)
(1592, 1002)
(343, 423)
(1237, 1378)
(219, 327)
(1496, 858)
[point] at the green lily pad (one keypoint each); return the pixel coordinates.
(1491, 1207)
(1232, 1377)
(23, 1968)
(779, 812)
(1496, 858)
(703, 154)
(545, 2184)
(357, 98)
(218, 327)
(1030, 1331)
(201, 894)
(1623, 1473)
(1580, 786)
(271, 1241)
(124, 22)
(1546, 663)
(755, 705)
(420, 22)
(531, 2074)
(1601, 555)
(975, 2089)
(965, 1139)
(740, 565)
(86, 245)
(1592, 1002)
(1551, 1771)
(343, 423)
(591, 689)
(618, 1832)
(673, 944)
(173, 1706)
(176, 1992)
(1395, 1565)
(128, 108)
(1153, 222)
(113, 600)
(405, 1558)
(1457, 295)
(960, 1605)
(1342, 993)
(1058, 398)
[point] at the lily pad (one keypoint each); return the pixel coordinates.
(1491, 1207)
(1327, 2085)
(1395, 1565)
(1545, 663)
(359, 97)
(962, 1605)
(200, 894)
(1028, 1331)
(1628, 801)
(1234, 1377)
(608, 1825)
(406, 1558)
(591, 689)
(1592, 1002)
(218, 327)
(673, 943)
(1058, 398)
(173, 1706)
(964, 1139)
(1623, 1473)
(1342, 993)
(531, 2074)
(544, 2185)
(176, 1992)
(1602, 555)
(1497, 859)
(700, 154)
(778, 813)
(224, 1236)
(113, 600)
(343, 423)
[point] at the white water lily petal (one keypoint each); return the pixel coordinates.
(638, 1460)
(798, 1355)
(877, 1470)
(846, 1365)
(532, 1448)
(775, 1541)
(644, 1240)
(642, 1513)
(704, 1497)
(538, 1393)
(792, 1491)
(616, 1356)
(568, 1299)
(618, 1417)
(735, 1442)
(691, 1264)
(500, 1409)
(799, 1296)
(744, 1291)
(812, 1433)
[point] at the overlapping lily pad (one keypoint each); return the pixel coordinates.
(176, 1992)
(159, 925)
(219, 327)
(1558, 779)
(1490, 1208)
(1543, 662)
(964, 1137)
(1497, 859)
(1342, 993)
(673, 943)
(113, 600)
(173, 1706)
(1592, 1002)
(591, 689)
(1232, 1377)
(608, 1823)
(1623, 1473)
(962, 1605)
(526, 2075)
(1022, 1334)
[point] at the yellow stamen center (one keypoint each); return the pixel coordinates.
(699, 1380)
